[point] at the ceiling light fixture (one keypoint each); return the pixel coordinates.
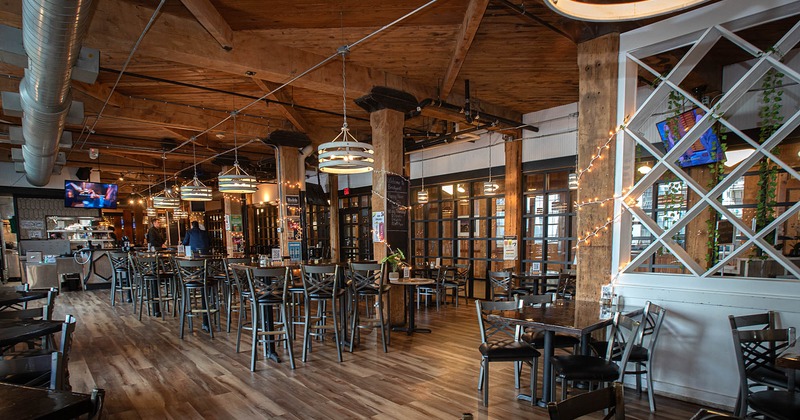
(733, 157)
(595, 11)
(345, 154)
(422, 194)
(645, 168)
(195, 190)
(150, 211)
(489, 187)
(235, 179)
(165, 199)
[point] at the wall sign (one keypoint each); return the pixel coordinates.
(378, 226)
(397, 200)
(293, 200)
(31, 224)
(510, 248)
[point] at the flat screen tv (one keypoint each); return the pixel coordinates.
(704, 151)
(90, 195)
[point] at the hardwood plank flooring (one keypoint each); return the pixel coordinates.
(148, 372)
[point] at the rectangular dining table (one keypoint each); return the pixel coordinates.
(574, 317)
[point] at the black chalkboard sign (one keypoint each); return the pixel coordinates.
(397, 200)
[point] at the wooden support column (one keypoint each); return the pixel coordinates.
(387, 139)
(513, 188)
(333, 188)
(597, 113)
(289, 180)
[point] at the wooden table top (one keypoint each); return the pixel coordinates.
(21, 402)
(790, 361)
(575, 317)
(10, 296)
(413, 281)
(13, 331)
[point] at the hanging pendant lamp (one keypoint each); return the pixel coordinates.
(165, 199)
(195, 190)
(422, 194)
(150, 211)
(604, 11)
(235, 179)
(489, 187)
(180, 214)
(345, 154)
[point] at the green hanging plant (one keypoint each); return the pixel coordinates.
(770, 120)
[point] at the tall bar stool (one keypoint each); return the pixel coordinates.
(321, 286)
(231, 290)
(121, 276)
(148, 288)
(197, 289)
(368, 283)
(267, 289)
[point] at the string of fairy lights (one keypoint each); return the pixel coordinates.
(598, 230)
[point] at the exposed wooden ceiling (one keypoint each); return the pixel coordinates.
(203, 58)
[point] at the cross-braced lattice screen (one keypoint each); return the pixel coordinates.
(690, 213)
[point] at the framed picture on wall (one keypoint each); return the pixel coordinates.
(463, 228)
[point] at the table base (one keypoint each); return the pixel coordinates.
(413, 330)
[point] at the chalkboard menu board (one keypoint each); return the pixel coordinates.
(397, 195)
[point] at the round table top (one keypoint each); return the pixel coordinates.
(412, 281)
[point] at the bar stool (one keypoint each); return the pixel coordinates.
(267, 289)
(321, 285)
(368, 282)
(121, 277)
(197, 288)
(231, 290)
(148, 288)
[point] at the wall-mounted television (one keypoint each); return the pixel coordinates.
(704, 151)
(90, 195)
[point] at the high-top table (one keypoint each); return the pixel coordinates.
(574, 317)
(410, 284)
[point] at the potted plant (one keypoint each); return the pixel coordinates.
(396, 260)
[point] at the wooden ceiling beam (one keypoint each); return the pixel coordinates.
(469, 27)
(100, 92)
(292, 114)
(208, 16)
(117, 23)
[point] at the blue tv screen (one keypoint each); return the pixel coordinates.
(90, 195)
(704, 151)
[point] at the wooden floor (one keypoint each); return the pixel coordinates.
(148, 372)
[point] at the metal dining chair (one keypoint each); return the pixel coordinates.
(323, 292)
(368, 284)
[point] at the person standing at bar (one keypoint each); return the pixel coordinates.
(197, 239)
(155, 239)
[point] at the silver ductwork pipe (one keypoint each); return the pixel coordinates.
(52, 32)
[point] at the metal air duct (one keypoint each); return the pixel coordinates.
(52, 31)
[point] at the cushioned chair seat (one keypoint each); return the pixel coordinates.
(585, 368)
(560, 341)
(507, 351)
(780, 405)
(772, 377)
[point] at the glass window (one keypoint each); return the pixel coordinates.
(548, 220)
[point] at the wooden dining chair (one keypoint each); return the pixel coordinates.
(610, 398)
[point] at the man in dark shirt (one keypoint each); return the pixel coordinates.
(197, 239)
(155, 239)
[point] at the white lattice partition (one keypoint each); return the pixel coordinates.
(725, 20)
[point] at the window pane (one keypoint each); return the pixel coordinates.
(534, 182)
(557, 180)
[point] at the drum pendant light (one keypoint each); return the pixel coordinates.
(235, 179)
(195, 190)
(165, 199)
(345, 154)
(489, 187)
(422, 194)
